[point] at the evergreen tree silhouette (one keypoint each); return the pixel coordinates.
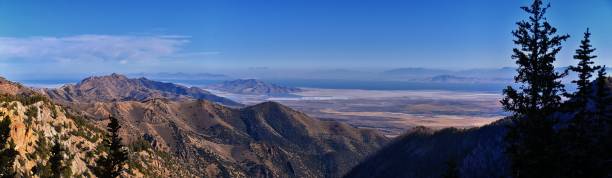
(531, 138)
(604, 121)
(581, 147)
(585, 70)
(602, 94)
(7, 149)
(111, 165)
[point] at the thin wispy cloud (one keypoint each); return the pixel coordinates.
(121, 49)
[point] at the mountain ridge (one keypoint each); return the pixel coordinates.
(262, 140)
(116, 87)
(253, 141)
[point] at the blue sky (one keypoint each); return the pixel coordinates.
(70, 37)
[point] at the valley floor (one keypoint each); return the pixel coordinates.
(390, 111)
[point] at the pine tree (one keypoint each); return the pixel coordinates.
(601, 94)
(7, 151)
(531, 139)
(111, 165)
(585, 70)
(56, 161)
(41, 169)
(580, 150)
(602, 101)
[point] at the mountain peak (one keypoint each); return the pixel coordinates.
(118, 76)
(104, 78)
(269, 104)
(249, 80)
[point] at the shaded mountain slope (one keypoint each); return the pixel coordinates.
(117, 87)
(265, 140)
(478, 152)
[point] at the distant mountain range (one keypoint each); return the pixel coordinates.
(416, 72)
(500, 75)
(409, 74)
(417, 75)
(452, 78)
(252, 87)
(485, 75)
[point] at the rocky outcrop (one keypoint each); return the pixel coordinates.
(35, 127)
(36, 123)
